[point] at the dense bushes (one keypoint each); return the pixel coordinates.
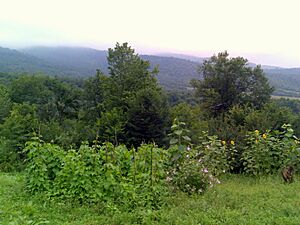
(101, 173)
(135, 177)
(269, 152)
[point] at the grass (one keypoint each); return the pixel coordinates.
(237, 200)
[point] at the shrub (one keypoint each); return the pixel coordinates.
(268, 152)
(101, 173)
(192, 177)
(9, 159)
(215, 154)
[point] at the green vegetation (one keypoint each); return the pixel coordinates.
(237, 200)
(228, 82)
(104, 150)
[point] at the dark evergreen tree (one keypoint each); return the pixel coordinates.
(147, 118)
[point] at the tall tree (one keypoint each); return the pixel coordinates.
(134, 91)
(230, 81)
(95, 93)
(129, 74)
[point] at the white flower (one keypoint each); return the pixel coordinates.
(205, 170)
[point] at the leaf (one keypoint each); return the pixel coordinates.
(186, 138)
(178, 132)
(173, 141)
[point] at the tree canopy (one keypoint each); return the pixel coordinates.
(230, 81)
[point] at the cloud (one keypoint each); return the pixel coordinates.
(254, 27)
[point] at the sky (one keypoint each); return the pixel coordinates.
(263, 31)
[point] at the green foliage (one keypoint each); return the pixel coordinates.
(147, 118)
(179, 134)
(5, 103)
(131, 98)
(10, 160)
(53, 98)
(239, 120)
(98, 174)
(193, 117)
(19, 125)
(269, 152)
(129, 74)
(66, 133)
(16, 129)
(193, 170)
(228, 82)
(111, 126)
(95, 93)
(214, 154)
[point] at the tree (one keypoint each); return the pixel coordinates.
(133, 90)
(147, 118)
(54, 99)
(230, 81)
(5, 103)
(95, 93)
(129, 74)
(19, 125)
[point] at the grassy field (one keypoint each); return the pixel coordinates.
(237, 200)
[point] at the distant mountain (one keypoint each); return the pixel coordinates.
(183, 56)
(201, 59)
(17, 62)
(84, 61)
(285, 81)
(175, 71)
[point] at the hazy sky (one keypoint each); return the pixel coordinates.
(264, 31)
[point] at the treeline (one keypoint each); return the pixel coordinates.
(129, 107)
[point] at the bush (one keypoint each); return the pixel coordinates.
(193, 170)
(9, 159)
(192, 177)
(101, 173)
(268, 152)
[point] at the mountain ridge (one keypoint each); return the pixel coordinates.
(175, 72)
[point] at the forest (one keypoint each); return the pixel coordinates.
(121, 140)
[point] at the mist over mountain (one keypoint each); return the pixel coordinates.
(83, 60)
(175, 70)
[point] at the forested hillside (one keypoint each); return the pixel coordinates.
(175, 70)
(285, 81)
(14, 61)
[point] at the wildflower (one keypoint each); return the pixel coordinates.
(232, 142)
(256, 141)
(188, 148)
(205, 170)
(223, 142)
(256, 132)
(264, 136)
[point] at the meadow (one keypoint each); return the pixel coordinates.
(238, 199)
